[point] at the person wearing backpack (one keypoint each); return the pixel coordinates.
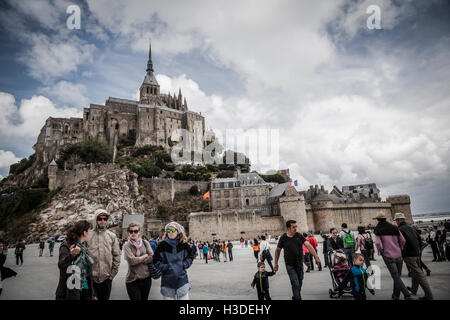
(365, 243)
(349, 243)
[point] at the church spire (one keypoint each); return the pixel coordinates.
(150, 63)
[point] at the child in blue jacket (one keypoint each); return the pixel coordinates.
(357, 276)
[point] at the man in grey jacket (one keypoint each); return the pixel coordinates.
(103, 248)
(411, 256)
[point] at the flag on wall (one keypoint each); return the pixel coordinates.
(206, 196)
(296, 183)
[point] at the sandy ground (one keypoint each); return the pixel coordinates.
(38, 278)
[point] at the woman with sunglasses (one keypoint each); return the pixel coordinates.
(75, 262)
(138, 254)
(173, 256)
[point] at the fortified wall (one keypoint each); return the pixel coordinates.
(62, 178)
(232, 224)
(164, 189)
(317, 216)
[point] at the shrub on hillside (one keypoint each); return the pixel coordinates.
(22, 165)
(88, 151)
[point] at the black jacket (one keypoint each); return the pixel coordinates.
(261, 280)
(412, 245)
(19, 248)
(4, 271)
(64, 261)
(335, 245)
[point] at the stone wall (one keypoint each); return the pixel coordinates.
(60, 178)
(164, 189)
(320, 216)
(324, 215)
(232, 224)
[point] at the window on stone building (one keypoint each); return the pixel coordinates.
(227, 203)
(235, 193)
(218, 203)
(246, 192)
(247, 202)
(263, 201)
(235, 202)
(230, 185)
(255, 201)
(218, 194)
(227, 194)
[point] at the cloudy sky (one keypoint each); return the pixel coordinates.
(352, 104)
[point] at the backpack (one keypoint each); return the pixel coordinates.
(368, 243)
(349, 240)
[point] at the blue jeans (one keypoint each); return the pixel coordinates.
(349, 254)
(296, 276)
(394, 266)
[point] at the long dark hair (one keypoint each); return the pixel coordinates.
(361, 230)
(76, 231)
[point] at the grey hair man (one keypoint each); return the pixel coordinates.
(411, 256)
(103, 248)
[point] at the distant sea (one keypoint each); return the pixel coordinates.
(431, 216)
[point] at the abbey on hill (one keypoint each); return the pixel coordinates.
(151, 120)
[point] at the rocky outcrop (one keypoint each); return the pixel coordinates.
(114, 190)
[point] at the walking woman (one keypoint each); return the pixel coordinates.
(138, 254)
(173, 256)
(256, 249)
(363, 242)
(74, 262)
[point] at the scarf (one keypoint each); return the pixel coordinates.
(138, 245)
(84, 263)
(173, 242)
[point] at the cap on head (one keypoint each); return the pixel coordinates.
(380, 215)
(399, 215)
(101, 212)
(175, 225)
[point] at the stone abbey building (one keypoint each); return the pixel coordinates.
(152, 120)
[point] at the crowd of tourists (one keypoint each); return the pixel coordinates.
(90, 256)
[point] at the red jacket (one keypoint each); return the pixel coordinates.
(313, 242)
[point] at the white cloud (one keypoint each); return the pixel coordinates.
(27, 119)
(50, 58)
(67, 93)
(7, 158)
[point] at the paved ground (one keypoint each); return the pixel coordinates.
(38, 278)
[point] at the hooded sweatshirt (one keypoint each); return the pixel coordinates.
(103, 248)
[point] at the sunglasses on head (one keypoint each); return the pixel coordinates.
(133, 231)
(102, 218)
(171, 230)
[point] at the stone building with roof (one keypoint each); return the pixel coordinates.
(152, 120)
(239, 209)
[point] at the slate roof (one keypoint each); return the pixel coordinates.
(150, 79)
(278, 190)
(122, 100)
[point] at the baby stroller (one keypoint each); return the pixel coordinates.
(334, 279)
